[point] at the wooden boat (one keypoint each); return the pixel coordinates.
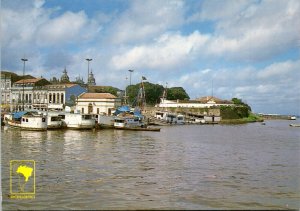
(295, 125)
(26, 120)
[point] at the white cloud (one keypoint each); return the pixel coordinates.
(251, 30)
(279, 69)
(166, 52)
(145, 20)
(65, 28)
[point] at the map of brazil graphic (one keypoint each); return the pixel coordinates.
(22, 179)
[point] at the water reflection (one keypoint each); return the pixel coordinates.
(186, 167)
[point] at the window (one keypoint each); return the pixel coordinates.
(86, 116)
(26, 120)
(82, 110)
(97, 110)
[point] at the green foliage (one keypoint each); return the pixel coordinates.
(234, 112)
(14, 77)
(238, 101)
(153, 93)
(107, 89)
(71, 101)
(177, 93)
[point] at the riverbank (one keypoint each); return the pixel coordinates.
(250, 119)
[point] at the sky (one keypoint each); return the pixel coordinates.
(249, 49)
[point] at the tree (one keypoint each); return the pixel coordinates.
(238, 101)
(154, 92)
(177, 93)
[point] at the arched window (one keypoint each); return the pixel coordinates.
(90, 108)
(62, 98)
(54, 98)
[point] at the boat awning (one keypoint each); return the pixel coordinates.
(122, 109)
(18, 115)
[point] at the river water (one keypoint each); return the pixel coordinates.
(250, 166)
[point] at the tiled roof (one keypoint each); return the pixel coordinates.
(61, 85)
(31, 80)
(97, 96)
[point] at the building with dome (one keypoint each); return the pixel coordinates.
(91, 79)
(65, 78)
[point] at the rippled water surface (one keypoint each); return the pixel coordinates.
(250, 166)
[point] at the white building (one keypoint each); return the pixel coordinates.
(60, 95)
(35, 94)
(96, 103)
(5, 89)
(204, 102)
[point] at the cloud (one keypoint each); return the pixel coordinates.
(146, 19)
(279, 69)
(32, 30)
(166, 52)
(274, 86)
(61, 29)
(251, 30)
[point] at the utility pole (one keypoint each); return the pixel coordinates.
(88, 70)
(24, 60)
(130, 76)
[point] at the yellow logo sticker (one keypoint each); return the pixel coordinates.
(22, 179)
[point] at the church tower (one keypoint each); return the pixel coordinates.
(65, 78)
(91, 79)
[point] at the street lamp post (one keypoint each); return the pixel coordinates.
(130, 76)
(24, 60)
(88, 69)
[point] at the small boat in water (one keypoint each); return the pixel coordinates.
(54, 121)
(104, 121)
(26, 120)
(295, 125)
(128, 121)
(77, 120)
(293, 118)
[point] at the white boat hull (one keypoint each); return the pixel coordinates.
(15, 124)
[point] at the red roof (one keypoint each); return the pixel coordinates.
(26, 81)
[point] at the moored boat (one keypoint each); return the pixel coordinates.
(77, 120)
(128, 121)
(54, 121)
(26, 120)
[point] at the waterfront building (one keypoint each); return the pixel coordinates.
(35, 94)
(203, 102)
(5, 91)
(61, 95)
(96, 103)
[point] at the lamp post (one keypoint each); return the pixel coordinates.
(88, 60)
(130, 76)
(24, 60)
